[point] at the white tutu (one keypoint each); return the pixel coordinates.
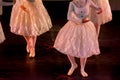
(2, 36)
(78, 40)
(36, 22)
(106, 14)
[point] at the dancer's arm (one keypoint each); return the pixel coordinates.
(24, 8)
(92, 4)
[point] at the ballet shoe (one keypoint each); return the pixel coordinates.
(84, 74)
(71, 70)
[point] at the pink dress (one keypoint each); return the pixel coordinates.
(34, 23)
(2, 3)
(2, 36)
(78, 40)
(105, 16)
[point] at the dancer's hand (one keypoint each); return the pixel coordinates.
(24, 8)
(100, 11)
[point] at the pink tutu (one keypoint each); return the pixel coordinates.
(34, 23)
(77, 40)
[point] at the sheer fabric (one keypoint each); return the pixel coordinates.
(105, 16)
(33, 23)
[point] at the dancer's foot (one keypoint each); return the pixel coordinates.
(83, 73)
(32, 53)
(27, 48)
(71, 70)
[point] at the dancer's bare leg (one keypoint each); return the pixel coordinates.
(32, 46)
(98, 29)
(34, 40)
(97, 26)
(73, 65)
(82, 64)
(27, 38)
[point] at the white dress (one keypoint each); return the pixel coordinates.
(105, 16)
(78, 40)
(34, 23)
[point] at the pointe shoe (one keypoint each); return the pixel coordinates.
(71, 70)
(84, 74)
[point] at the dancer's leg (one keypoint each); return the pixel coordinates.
(97, 26)
(27, 38)
(73, 65)
(32, 46)
(34, 40)
(82, 64)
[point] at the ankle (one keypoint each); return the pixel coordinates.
(82, 70)
(74, 65)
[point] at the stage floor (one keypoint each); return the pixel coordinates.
(50, 64)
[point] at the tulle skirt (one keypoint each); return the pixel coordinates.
(34, 23)
(2, 36)
(77, 40)
(105, 16)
